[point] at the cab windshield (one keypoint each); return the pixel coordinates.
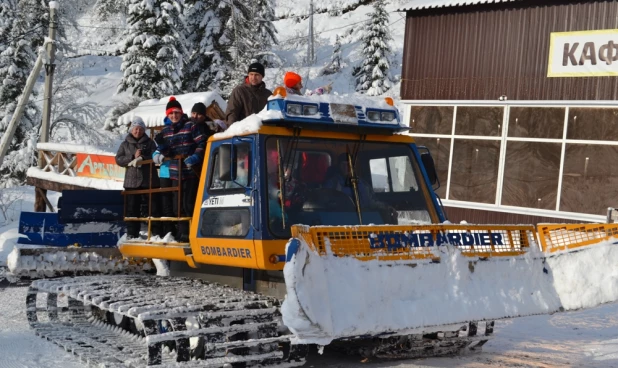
(320, 187)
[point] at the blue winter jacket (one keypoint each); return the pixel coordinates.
(187, 139)
(164, 170)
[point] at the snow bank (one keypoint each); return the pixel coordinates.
(35, 172)
(249, 125)
(77, 148)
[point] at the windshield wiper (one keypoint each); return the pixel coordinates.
(353, 178)
(282, 163)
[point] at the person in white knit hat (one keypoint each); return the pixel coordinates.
(137, 147)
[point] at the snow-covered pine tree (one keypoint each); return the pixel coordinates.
(209, 61)
(373, 77)
(265, 33)
(335, 63)
(154, 49)
(16, 61)
(106, 9)
(36, 15)
(238, 40)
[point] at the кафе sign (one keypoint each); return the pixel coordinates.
(583, 54)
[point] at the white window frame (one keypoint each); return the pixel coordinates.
(503, 138)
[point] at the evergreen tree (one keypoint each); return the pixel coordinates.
(265, 32)
(335, 64)
(373, 77)
(16, 62)
(106, 9)
(239, 39)
(209, 61)
(154, 49)
(226, 37)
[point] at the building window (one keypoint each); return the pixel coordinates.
(536, 122)
(474, 171)
(432, 119)
(593, 124)
(589, 178)
(479, 120)
(531, 172)
(440, 149)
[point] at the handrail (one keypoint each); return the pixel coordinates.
(152, 190)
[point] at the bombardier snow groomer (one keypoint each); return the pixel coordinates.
(316, 223)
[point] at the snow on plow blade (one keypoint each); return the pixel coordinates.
(378, 280)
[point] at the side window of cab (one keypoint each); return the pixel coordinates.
(231, 167)
(230, 173)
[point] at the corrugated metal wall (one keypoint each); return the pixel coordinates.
(482, 52)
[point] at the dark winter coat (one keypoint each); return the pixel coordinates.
(136, 177)
(187, 139)
(246, 100)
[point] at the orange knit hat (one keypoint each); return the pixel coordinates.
(291, 79)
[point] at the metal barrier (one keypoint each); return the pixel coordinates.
(150, 191)
(558, 237)
(416, 242)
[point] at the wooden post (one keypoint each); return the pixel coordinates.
(41, 201)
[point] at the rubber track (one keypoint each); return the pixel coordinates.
(233, 326)
(447, 343)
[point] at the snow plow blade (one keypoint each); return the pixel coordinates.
(345, 282)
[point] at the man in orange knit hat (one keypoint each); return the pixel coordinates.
(293, 83)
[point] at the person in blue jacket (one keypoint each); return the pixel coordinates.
(184, 138)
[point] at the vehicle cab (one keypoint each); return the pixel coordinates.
(318, 160)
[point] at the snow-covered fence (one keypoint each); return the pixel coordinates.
(59, 162)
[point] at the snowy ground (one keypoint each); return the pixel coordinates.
(582, 338)
(579, 339)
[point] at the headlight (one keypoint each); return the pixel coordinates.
(295, 109)
(310, 109)
(388, 116)
(373, 115)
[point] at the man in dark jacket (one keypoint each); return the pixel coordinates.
(248, 98)
(136, 147)
(183, 137)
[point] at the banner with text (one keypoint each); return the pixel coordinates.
(99, 166)
(583, 54)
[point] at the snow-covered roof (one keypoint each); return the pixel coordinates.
(428, 4)
(153, 111)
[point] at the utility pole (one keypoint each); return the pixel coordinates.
(49, 75)
(21, 106)
(310, 51)
(40, 194)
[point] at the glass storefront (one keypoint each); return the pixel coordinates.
(523, 156)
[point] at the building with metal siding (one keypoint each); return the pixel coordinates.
(484, 51)
(512, 143)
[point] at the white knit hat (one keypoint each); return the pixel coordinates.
(137, 121)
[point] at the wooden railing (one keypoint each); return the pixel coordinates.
(63, 163)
